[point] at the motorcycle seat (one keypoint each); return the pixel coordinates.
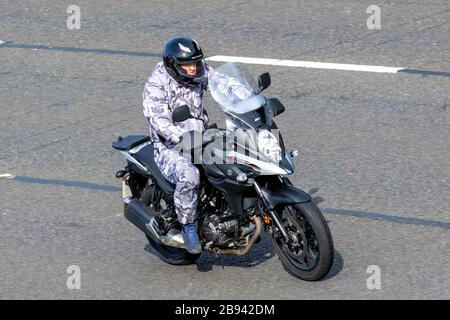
(129, 142)
(146, 156)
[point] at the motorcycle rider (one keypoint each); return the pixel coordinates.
(179, 79)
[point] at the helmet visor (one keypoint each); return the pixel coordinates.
(191, 70)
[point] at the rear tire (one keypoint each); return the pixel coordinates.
(171, 255)
(319, 244)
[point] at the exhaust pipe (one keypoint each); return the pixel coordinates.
(143, 218)
(137, 214)
(246, 249)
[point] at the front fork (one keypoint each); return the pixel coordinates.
(272, 214)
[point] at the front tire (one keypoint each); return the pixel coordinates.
(309, 253)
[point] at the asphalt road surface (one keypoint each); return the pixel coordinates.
(377, 145)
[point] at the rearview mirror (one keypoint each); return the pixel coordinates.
(181, 113)
(277, 106)
(264, 81)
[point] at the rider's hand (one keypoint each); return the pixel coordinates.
(177, 139)
(188, 135)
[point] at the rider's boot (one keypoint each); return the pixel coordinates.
(191, 239)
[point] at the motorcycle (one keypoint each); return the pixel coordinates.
(244, 189)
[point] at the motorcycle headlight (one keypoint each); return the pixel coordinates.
(268, 145)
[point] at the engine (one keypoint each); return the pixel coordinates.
(220, 226)
(220, 229)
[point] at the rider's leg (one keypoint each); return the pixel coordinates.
(179, 170)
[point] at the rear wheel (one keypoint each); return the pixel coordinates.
(168, 254)
(173, 255)
(309, 253)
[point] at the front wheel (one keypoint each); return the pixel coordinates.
(309, 252)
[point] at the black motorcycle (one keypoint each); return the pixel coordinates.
(243, 190)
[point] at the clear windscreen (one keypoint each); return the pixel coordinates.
(234, 89)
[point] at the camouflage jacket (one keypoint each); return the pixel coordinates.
(161, 96)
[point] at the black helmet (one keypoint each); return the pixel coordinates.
(183, 50)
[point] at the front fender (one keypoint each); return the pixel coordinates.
(284, 194)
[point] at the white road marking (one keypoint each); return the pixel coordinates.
(7, 176)
(306, 64)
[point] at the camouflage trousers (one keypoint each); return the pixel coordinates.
(179, 170)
